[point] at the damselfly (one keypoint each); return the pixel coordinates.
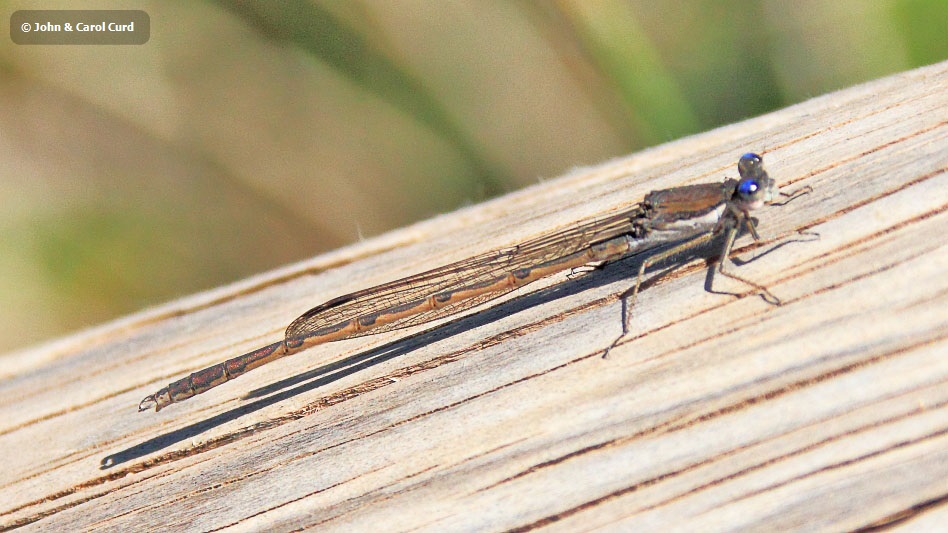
(680, 218)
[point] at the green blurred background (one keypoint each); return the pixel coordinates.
(247, 135)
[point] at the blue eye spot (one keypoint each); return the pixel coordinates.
(748, 187)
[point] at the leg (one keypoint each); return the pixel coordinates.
(628, 297)
(725, 256)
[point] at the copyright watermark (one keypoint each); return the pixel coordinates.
(80, 27)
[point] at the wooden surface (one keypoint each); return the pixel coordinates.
(721, 412)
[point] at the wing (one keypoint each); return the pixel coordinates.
(471, 271)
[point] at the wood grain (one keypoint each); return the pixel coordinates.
(720, 412)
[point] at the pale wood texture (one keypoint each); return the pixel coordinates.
(722, 412)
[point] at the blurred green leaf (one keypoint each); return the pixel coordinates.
(320, 34)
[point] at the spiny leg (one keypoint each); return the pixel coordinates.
(764, 292)
(729, 238)
(628, 297)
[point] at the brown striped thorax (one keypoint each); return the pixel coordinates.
(681, 212)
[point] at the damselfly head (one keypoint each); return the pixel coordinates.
(755, 188)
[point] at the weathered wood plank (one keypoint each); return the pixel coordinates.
(829, 411)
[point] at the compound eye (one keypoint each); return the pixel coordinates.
(751, 158)
(749, 165)
(748, 187)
